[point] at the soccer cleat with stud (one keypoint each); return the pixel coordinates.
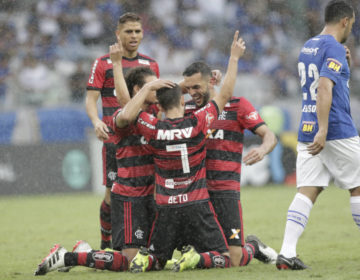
(293, 263)
(80, 246)
(263, 252)
(53, 261)
(170, 263)
(189, 259)
(140, 262)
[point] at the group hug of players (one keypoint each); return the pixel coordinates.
(172, 169)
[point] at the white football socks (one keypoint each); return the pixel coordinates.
(297, 217)
(355, 209)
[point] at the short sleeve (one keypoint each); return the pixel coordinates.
(333, 62)
(146, 123)
(247, 115)
(97, 76)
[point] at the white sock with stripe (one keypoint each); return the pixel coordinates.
(297, 217)
(355, 209)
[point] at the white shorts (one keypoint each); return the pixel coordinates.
(340, 160)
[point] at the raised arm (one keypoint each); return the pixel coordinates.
(116, 53)
(226, 91)
(132, 108)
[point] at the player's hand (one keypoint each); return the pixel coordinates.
(101, 130)
(253, 156)
(116, 51)
(159, 83)
(216, 77)
(348, 55)
(318, 144)
(238, 46)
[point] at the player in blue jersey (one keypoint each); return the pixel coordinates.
(328, 140)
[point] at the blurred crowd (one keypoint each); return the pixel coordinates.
(48, 46)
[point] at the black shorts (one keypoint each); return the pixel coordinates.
(109, 164)
(131, 220)
(194, 224)
(229, 214)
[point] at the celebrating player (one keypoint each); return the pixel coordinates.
(328, 140)
(184, 211)
(223, 160)
(101, 82)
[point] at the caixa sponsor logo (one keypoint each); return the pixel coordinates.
(102, 256)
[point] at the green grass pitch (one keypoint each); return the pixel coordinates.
(30, 225)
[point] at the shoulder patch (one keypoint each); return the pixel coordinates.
(143, 61)
(252, 116)
(333, 65)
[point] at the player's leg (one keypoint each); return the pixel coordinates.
(109, 175)
(204, 232)
(229, 214)
(131, 220)
(344, 164)
(59, 258)
(355, 205)
(164, 237)
(310, 173)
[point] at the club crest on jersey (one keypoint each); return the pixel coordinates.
(252, 116)
(209, 118)
(143, 61)
(333, 65)
(308, 127)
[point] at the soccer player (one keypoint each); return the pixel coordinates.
(223, 160)
(328, 140)
(132, 192)
(185, 213)
(132, 200)
(101, 83)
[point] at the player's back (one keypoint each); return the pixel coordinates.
(179, 154)
(180, 161)
(323, 56)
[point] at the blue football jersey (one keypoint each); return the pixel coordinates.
(323, 56)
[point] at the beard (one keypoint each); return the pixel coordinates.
(206, 98)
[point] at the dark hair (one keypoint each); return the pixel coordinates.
(136, 77)
(129, 17)
(197, 67)
(338, 9)
(169, 97)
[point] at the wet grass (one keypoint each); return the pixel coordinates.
(30, 225)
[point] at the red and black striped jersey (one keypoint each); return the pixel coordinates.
(179, 152)
(225, 143)
(134, 159)
(102, 79)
